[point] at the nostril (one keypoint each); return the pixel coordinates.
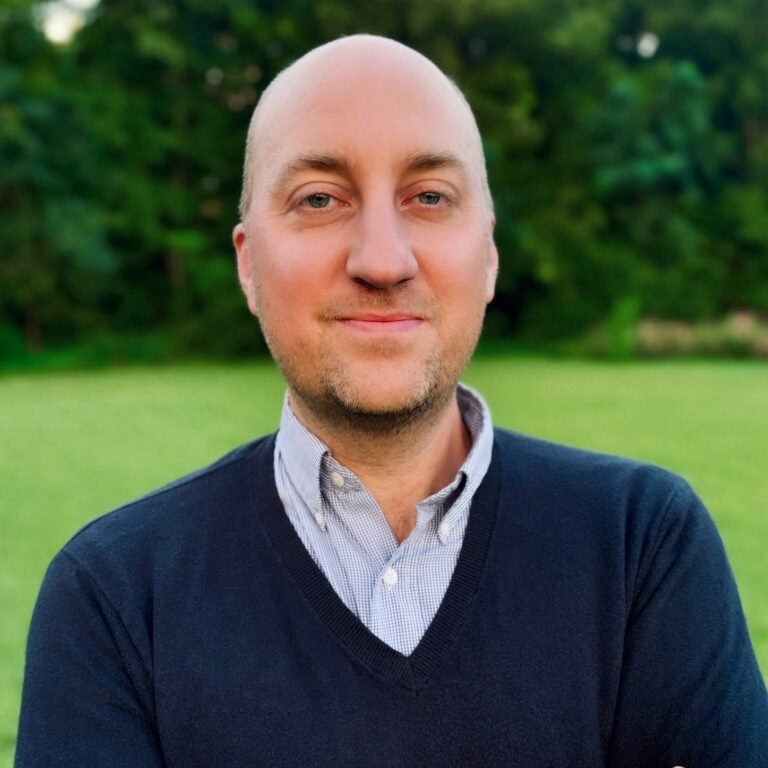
(382, 269)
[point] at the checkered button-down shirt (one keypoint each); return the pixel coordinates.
(394, 588)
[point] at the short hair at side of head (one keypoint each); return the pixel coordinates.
(481, 161)
(246, 190)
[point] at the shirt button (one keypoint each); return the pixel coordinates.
(320, 518)
(444, 528)
(337, 479)
(390, 577)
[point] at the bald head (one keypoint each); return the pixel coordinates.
(384, 72)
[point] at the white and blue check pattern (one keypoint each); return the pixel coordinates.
(394, 589)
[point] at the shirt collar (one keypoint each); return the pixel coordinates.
(301, 454)
(456, 497)
(306, 458)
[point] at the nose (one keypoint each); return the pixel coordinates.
(381, 255)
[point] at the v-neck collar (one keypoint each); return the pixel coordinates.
(412, 672)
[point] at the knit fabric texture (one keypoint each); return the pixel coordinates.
(591, 620)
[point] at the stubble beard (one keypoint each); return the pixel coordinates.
(336, 402)
(331, 399)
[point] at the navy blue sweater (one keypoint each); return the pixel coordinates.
(592, 620)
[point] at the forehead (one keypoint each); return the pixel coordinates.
(375, 112)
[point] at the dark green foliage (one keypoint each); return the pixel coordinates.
(628, 181)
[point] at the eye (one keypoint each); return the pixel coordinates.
(429, 198)
(318, 200)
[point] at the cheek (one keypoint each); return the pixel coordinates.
(293, 282)
(294, 262)
(456, 268)
(280, 282)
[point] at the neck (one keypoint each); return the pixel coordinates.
(399, 467)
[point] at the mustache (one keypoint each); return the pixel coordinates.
(391, 302)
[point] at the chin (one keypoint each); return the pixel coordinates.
(381, 407)
(371, 405)
(388, 387)
(377, 398)
(380, 400)
(379, 418)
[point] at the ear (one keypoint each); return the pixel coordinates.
(491, 267)
(244, 267)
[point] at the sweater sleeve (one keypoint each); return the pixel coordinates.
(690, 693)
(87, 696)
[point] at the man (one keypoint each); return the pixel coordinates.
(388, 582)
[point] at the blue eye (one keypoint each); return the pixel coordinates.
(430, 198)
(318, 200)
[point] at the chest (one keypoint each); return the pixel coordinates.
(267, 681)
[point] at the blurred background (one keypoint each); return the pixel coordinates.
(627, 145)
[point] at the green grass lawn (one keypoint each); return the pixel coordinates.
(75, 444)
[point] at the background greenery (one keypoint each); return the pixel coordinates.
(76, 444)
(626, 142)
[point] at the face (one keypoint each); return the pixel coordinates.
(367, 250)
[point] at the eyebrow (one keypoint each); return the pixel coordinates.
(311, 162)
(418, 161)
(429, 161)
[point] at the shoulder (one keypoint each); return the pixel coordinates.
(520, 453)
(166, 520)
(612, 531)
(127, 570)
(609, 496)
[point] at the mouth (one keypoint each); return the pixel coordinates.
(382, 323)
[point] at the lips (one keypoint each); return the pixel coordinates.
(382, 323)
